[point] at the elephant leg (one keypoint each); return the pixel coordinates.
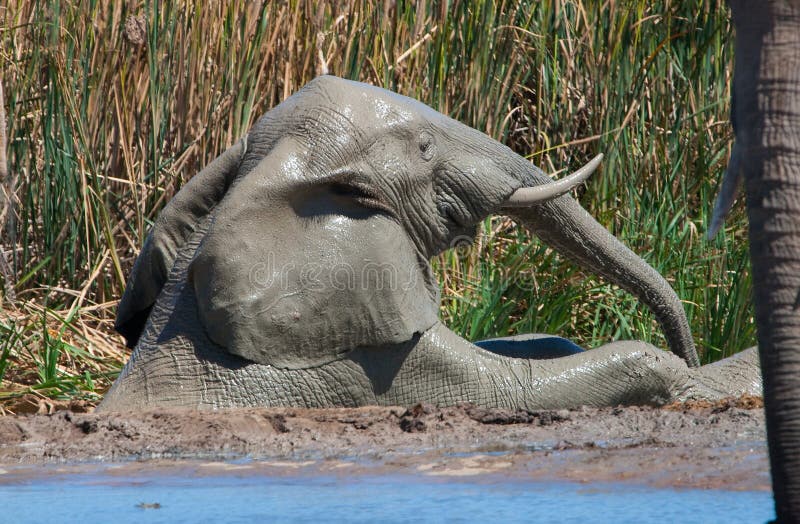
(442, 368)
(734, 376)
(765, 114)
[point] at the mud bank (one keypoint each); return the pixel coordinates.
(719, 445)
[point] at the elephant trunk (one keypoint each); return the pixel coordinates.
(567, 227)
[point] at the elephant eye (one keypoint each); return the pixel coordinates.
(427, 145)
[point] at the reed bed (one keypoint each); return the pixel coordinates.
(113, 106)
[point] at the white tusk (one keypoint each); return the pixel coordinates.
(527, 196)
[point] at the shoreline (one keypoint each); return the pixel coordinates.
(693, 445)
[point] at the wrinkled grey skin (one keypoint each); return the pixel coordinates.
(293, 271)
(766, 119)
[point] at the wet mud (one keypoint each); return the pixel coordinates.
(697, 445)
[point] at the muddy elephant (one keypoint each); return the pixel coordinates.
(766, 119)
(294, 270)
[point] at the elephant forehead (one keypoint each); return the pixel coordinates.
(373, 115)
(368, 106)
(386, 112)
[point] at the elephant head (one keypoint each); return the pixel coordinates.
(300, 255)
(335, 202)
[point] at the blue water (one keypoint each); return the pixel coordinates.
(97, 496)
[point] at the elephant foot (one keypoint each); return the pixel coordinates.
(734, 376)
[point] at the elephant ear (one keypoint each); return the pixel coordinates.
(169, 234)
(295, 272)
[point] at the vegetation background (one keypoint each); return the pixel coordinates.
(113, 106)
